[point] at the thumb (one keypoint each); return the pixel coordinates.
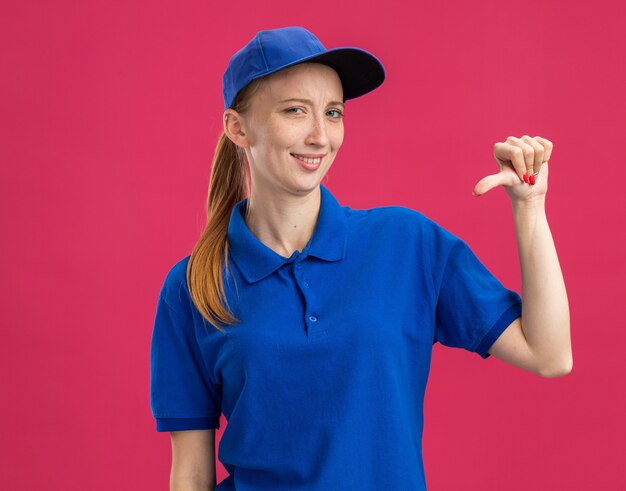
(490, 182)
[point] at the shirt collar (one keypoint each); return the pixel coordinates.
(256, 260)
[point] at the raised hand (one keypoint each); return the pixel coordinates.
(539, 340)
(523, 166)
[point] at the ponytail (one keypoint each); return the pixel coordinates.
(228, 185)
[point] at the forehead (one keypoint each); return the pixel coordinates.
(306, 80)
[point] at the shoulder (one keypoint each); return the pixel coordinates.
(174, 290)
(403, 232)
(385, 216)
(401, 221)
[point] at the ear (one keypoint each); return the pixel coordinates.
(233, 128)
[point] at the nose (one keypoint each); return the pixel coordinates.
(318, 134)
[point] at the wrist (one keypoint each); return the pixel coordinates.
(528, 214)
(536, 204)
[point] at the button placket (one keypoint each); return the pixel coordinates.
(311, 316)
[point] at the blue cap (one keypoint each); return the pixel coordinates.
(272, 50)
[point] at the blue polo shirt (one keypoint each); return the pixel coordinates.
(322, 382)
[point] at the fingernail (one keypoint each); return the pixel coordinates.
(525, 177)
(531, 180)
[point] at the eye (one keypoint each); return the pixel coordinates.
(292, 110)
(336, 114)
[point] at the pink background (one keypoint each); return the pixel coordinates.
(109, 115)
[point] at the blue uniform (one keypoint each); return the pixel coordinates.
(322, 383)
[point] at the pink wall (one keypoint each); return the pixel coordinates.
(109, 113)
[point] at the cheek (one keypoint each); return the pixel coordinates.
(337, 138)
(281, 137)
(290, 136)
(271, 143)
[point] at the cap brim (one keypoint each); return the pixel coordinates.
(359, 70)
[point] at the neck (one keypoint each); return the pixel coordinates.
(283, 222)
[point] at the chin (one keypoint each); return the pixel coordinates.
(305, 186)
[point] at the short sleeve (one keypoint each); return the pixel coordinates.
(181, 395)
(473, 307)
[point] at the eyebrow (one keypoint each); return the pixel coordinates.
(307, 101)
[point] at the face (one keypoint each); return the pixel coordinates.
(293, 128)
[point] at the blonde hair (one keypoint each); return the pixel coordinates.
(229, 183)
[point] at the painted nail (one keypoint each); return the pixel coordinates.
(525, 177)
(531, 180)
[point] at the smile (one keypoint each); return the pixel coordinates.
(308, 160)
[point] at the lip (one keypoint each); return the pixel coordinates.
(306, 165)
(310, 155)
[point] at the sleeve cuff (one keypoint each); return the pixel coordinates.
(180, 424)
(512, 313)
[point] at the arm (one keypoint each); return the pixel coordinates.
(538, 341)
(193, 460)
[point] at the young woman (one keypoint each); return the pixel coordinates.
(309, 324)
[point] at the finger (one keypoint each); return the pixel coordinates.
(538, 152)
(506, 153)
(547, 146)
(494, 180)
(529, 153)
